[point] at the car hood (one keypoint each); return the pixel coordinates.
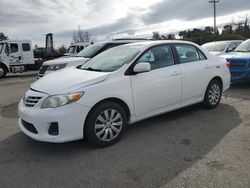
(66, 60)
(68, 80)
(236, 55)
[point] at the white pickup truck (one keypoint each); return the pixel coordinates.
(76, 48)
(15, 56)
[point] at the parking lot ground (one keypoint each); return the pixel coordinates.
(191, 147)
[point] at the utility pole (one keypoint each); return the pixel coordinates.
(214, 2)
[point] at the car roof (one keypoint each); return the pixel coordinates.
(119, 41)
(147, 44)
(224, 41)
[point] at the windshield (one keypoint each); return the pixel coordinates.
(1, 47)
(72, 49)
(243, 47)
(215, 46)
(112, 59)
(91, 50)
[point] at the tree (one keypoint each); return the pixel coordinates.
(62, 50)
(80, 36)
(171, 37)
(156, 35)
(3, 37)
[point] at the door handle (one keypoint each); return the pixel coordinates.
(19, 57)
(175, 73)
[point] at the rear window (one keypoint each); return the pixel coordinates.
(188, 53)
(26, 47)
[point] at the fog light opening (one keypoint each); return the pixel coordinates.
(53, 129)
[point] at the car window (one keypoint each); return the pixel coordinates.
(112, 59)
(231, 46)
(158, 57)
(81, 48)
(13, 47)
(92, 50)
(78, 49)
(26, 47)
(188, 53)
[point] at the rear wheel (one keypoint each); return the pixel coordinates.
(3, 71)
(105, 124)
(213, 94)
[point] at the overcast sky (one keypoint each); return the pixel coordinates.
(106, 19)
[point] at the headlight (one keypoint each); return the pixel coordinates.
(60, 100)
(56, 67)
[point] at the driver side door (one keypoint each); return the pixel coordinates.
(15, 57)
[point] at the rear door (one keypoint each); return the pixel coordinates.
(28, 56)
(196, 72)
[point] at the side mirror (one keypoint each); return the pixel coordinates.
(142, 67)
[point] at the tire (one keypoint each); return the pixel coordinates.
(3, 71)
(100, 130)
(213, 94)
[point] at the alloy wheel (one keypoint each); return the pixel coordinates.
(108, 125)
(214, 94)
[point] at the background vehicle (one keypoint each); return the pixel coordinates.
(76, 48)
(221, 47)
(16, 56)
(48, 52)
(240, 62)
(120, 86)
(82, 57)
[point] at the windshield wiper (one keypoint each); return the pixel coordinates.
(92, 69)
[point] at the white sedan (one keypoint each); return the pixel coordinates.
(121, 86)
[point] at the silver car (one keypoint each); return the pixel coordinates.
(218, 48)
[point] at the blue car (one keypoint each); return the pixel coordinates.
(239, 61)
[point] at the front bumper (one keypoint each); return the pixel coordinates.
(70, 119)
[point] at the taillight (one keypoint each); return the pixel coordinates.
(228, 65)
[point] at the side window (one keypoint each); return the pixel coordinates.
(26, 47)
(158, 57)
(78, 49)
(188, 53)
(202, 56)
(231, 47)
(13, 47)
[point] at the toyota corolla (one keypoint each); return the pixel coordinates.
(121, 86)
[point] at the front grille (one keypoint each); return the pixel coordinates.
(43, 69)
(31, 101)
(238, 63)
(30, 127)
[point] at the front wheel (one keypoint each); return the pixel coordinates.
(2, 71)
(105, 124)
(213, 94)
